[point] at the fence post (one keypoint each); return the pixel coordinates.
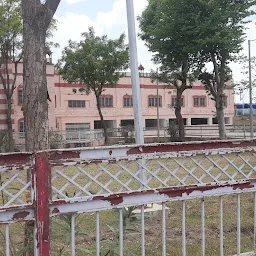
(42, 199)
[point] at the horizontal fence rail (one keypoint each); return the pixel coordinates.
(191, 131)
(96, 201)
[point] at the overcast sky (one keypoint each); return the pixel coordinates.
(109, 17)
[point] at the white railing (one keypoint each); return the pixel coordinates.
(64, 137)
(193, 131)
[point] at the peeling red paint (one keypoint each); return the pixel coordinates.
(177, 147)
(113, 199)
(20, 215)
(170, 192)
(42, 213)
(179, 191)
(55, 210)
(18, 159)
(62, 155)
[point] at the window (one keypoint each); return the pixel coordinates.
(174, 101)
(21, 129)
(199, 121)
(200, 101)
(76, 104)
(20, 96)
(77, 131)
(77, 126)
(128, 102)
(106, 101)
(152, 101)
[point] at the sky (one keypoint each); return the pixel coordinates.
(109, 17)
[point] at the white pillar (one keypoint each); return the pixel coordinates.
(139, 136)
(210, 121)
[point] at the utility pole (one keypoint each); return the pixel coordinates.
(158, 102)
(139, 135)
(250, 88)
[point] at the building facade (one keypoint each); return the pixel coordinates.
(69, 111)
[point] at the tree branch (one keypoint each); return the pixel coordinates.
(15, 73)
(215, 66)
(51, 6)
(222, 70)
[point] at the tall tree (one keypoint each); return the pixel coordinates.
(95, 62)
(37, 17)
(11, 53)
(169, 32)
(221, 35)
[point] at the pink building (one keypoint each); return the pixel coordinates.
(69, 111)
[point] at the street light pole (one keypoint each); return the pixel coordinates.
(139, 136)
(158, 102)
(250, 88)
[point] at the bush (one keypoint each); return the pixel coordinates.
(173, 131)
(55, 140)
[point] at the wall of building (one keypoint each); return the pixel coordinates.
(61, 93)
(64, 93)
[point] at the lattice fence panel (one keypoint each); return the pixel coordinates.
(15, 186)
(159, 171)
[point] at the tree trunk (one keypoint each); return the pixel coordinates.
(9, 125)
(219, 72)
(103, 124)
(179, 116)
(35, 105)
(36, 20)
(221, 118)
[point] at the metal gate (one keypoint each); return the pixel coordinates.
(208, 188)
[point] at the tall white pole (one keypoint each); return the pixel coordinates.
(250, 89)
(139, 136)
(158, 102)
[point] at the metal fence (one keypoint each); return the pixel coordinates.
(193, 131)
(66, 137)
(161, 199)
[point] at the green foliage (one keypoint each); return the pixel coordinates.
(129, 219)
(55, 139)
(169, 32)
(61, 230)
(94, 61)
(11, 28)
(185, 35)
(222, 27)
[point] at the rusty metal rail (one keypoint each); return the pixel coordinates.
(69, 182)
